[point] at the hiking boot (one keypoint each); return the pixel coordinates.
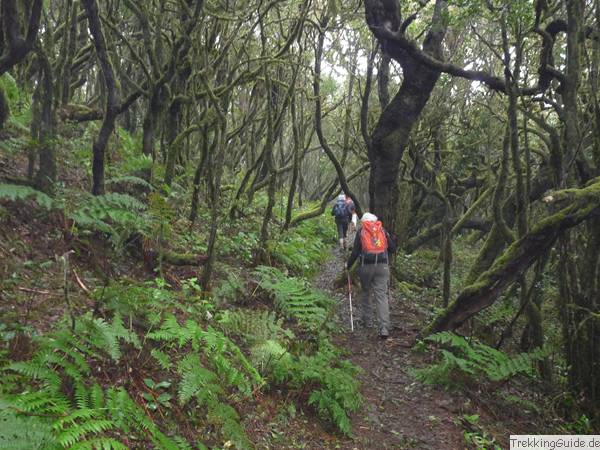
(366, 323)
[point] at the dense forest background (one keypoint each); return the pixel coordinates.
(167, 169)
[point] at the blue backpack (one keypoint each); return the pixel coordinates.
(340, 209)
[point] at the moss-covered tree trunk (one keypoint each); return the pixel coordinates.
(296, 136)
(111, 107)
(174, 120)
(390, 136)
(319, 114)
(578, 304)
(198, 177)
(215, 174)
(45, 178)
(15, 46)
(582, 204)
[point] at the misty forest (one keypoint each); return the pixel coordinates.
(170, 273)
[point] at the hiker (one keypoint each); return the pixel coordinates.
(373, 246)
(344, 213)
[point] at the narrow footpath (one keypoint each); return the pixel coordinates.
(399, 412)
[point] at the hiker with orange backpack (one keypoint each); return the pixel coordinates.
(373, 247)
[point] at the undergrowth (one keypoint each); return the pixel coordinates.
(295, 298)
(154, 367)
(303, 248)
(124, 381)
(117, 215)
(459, 357)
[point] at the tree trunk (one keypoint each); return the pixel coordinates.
(111, 107)
(584, 205)
(391, 134)
(197, 176)
(318, 115)
(46, 175)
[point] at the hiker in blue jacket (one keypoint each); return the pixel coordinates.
(344, 212)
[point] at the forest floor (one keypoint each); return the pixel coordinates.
(402, 413)
(399, 412)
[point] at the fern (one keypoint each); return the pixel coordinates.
(229, 289)
(14, 144)
(24, 433)
(203, 385)
(226, 367)
(19, 102)
(300, 249)
(226, 358)
(162, 358)
(80, 424)
(334, 389)
(131, 180)
(268, 354)
(118, 215)
(84, 416)
(475, 360)
(254, 326)
(227, 419)
(295, 298)
(128, 416)
(197, 382)
(15, 193)
(10, 87)
(139, 301)
(107, 336)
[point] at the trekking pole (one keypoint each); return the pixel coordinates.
(350, 299)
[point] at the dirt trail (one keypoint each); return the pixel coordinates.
(399, 413)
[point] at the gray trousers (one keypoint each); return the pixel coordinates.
(375, 277)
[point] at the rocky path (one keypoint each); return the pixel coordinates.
(399, 412)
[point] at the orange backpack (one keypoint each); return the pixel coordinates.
(372, 238)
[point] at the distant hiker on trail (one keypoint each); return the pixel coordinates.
(373, 246)
(343, 211)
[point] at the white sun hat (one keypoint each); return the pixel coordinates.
(368, 217)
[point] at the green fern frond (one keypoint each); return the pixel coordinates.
(475, 359)
(196, 381)
(169, 331)
(295, 298)
(162, 358)
(302, 248)
(43, 401)
(227, 419)
(72, 346)
(15, 192)
(118, 215)
(254, 326)
(266, 355)
(128, 179)
(334, 389)
(24, 433)
(36, 370)
(99, 443)
(96, 395)
(75, 431)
